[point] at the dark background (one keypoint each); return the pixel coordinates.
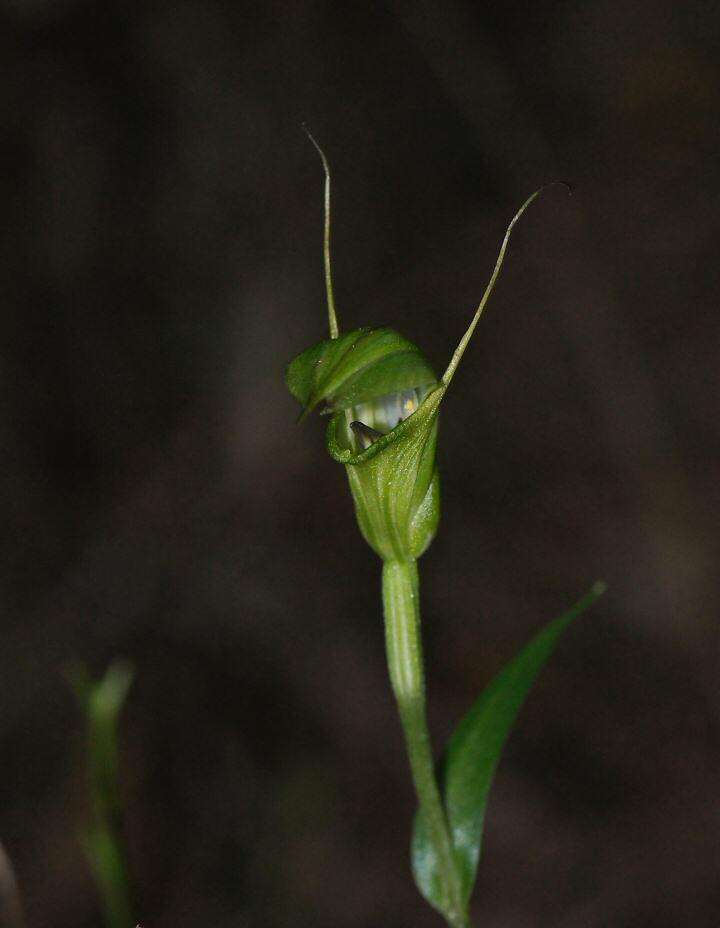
(161, 213)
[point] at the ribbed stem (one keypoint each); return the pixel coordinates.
(405, 663)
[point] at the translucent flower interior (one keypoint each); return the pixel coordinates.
(368, 421)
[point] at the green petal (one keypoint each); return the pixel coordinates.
(392, 373)
(360, 365)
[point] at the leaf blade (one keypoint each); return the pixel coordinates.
(474, 751)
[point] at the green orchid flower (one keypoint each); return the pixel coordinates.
(384, 399)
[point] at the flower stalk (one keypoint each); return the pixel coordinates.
(403, 645)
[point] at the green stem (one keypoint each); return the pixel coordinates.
(102, 836)
(106, 858)
(405, 663)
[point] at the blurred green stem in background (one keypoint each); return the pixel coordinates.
(102, 702)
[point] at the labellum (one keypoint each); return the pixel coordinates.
(370, 421)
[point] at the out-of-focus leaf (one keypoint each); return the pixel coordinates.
(102, 702)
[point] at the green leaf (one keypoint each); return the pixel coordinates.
(473, 753)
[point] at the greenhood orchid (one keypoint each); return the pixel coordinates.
(383, 401)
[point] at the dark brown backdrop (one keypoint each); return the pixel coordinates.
(161, 219)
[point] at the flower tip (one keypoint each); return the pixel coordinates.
(598, 588)
(555, 183)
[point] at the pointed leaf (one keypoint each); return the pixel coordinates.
(474, 751)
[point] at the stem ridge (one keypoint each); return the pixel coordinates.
(405, 664)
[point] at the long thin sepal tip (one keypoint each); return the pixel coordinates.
(332, 314)
(460, 350)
